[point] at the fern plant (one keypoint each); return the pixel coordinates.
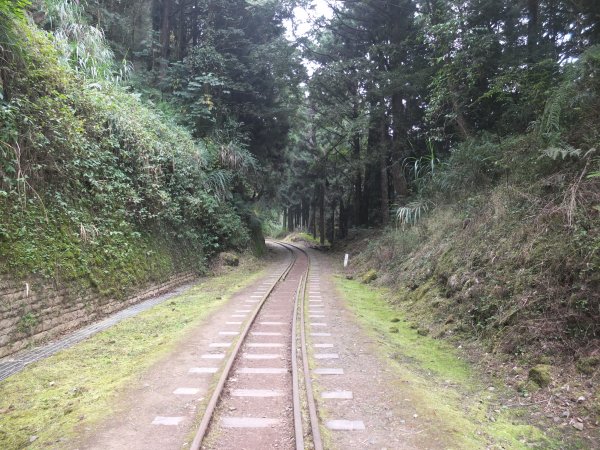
(411, 213)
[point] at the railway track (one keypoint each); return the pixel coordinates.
(263, 397)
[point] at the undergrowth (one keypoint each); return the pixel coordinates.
(443, 387)
(97, 185)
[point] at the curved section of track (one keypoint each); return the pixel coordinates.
(258, 398)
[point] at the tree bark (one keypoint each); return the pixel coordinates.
(290, 219)
(343, 220)
(532, 28)
(400, 149)
(357, 197)
(322, 213)
(165, 37)
(181, 33)
(384, 191)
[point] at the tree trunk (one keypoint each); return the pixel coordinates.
(461, 122)
(322, 214)
(532, 28)
(332, 234)
(384, 192)
(290, 219)
(165, 37)
(383, 170)
(305, 213)
(343, 220)
(400, 149)
(364, 204)
(357, 197)
(6, 92)
(181, 34)
(311, 214)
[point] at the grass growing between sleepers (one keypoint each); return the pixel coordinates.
(41, 406)
(445, 390)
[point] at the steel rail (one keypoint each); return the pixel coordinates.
(298, 428)
(312, 406)
(214, 400)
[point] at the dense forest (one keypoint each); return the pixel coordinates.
(135, 132)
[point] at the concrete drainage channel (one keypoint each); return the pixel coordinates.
(266, 376)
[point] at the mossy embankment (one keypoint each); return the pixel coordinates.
(43, 406)
(101, 192)
(441, 385)
(511, 274)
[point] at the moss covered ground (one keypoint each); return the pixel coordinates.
(469, 405)
(76, 387)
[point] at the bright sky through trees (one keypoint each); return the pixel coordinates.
(305, 17)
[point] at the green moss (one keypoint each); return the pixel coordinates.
(369, 276)
(77, 387)
(588, 365)
(541, 375)
(444, 388)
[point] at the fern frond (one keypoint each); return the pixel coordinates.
(411, 213)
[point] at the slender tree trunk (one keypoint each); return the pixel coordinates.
(181, 33)
(384, 192)
(165, 37)
(290, 219)
(4, 79)
(383, 170)
(322, 214)
(357, 198)
(311, 213)
(332, 234)
(305, 213)
(461, 121)
(399, 150)
(364, 204)
(532, 28)
(343, 220)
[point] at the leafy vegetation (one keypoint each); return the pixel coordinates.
(97, 185)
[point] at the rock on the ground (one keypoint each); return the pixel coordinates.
(540, 375)
(369, 276)
(577, 425)
(229, 259)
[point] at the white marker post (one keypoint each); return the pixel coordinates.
(346, 260)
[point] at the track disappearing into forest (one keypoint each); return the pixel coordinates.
(264, 398)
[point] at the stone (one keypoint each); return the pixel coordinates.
(230, 259)
(540, 375)
(577, 425)
(369, 276)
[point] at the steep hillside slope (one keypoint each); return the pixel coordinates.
(101, 194)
